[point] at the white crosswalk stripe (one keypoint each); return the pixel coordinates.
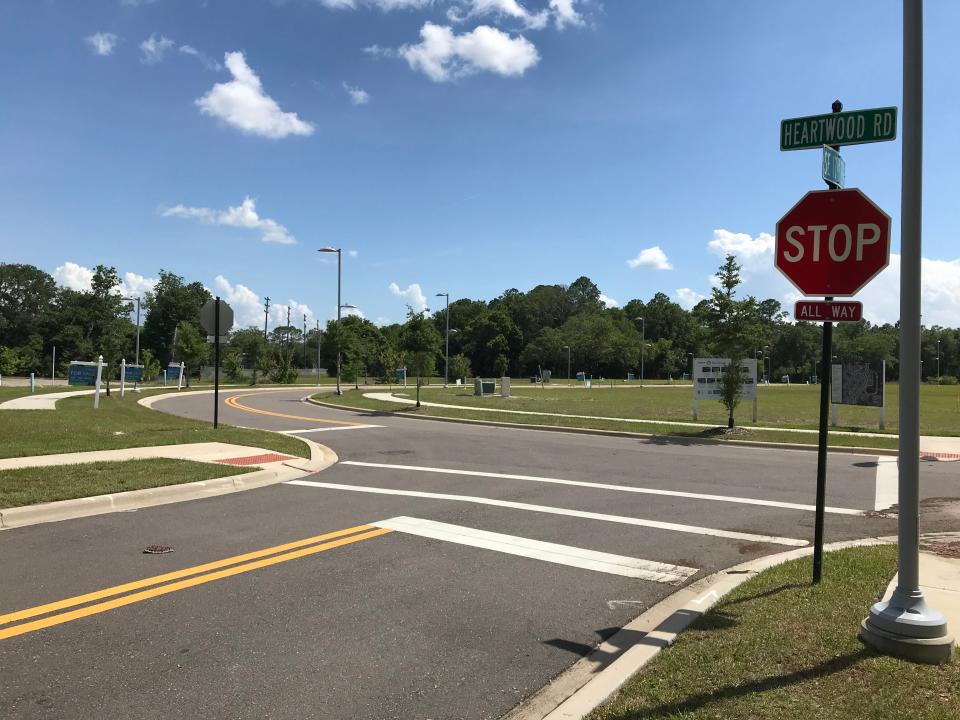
(539, 550)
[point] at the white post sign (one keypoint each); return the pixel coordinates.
(707, 374)
(96, 391)
(123, 375)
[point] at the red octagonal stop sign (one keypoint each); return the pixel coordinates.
(833, 242)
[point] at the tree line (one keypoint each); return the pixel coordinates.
(516, 333)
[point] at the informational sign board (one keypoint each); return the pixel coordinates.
(400, 375)
(844, 128)
(133, 373)
(83, 373)
(708, 373)
(834, 168)
(857, 383)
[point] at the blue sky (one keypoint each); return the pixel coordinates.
(466, 146)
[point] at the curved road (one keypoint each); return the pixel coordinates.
(439, 570)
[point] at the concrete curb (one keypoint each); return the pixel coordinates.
(593, 680)
(851, 449)
(321, 457)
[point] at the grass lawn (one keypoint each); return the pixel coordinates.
(355, 399)
(779, 648)
(119, 423)
(65, 482)
(794, 406)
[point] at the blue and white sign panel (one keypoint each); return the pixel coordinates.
(133, 373)
(708, 372)
(83, 373)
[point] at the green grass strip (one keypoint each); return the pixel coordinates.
(28, 486)
(779, 648)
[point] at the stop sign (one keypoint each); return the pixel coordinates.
(832, 242)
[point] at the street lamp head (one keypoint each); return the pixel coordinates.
(443, 294)
(329, 249)
(348, 306)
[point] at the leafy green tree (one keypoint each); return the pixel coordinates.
(232, 367)
(421, 342)
(191, 348)
(26, 295)
(250, 344)
(731, 388)
(460, 367)
(151, 366)
(171, 302)
(11, 362)
(584, 295)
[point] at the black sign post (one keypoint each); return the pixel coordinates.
(216, 365)
(216, 316)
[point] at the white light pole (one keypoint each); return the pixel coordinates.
(329, 249)
(643, 343)
(567, 348)
(137, 359)
(905, 625)
(318, 352)
(446, 366)
(938, 362)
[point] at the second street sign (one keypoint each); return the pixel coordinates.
(844, 128)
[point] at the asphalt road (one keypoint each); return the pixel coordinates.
(394, 623)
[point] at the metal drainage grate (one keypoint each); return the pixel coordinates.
(157, 549)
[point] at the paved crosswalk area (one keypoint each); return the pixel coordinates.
(437, 571)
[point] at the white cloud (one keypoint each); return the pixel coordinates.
(748, 249)
(80, 278)
(248, 307)
(442, 55)
(243, 104)
(378, 52)
(355, 311)
(500, 9)
(208, 62)
(102, 43)
(652, 257)
(154, 48)
(608, 301)
(353, 253)
(413, 295)
(687, 298)
(134, 285)
(564, 13)
(243, 216)
(73, 276)
(357, 96)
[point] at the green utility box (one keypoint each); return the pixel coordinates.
(484, 387)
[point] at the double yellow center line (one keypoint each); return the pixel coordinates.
(197, 575)
(234, 402)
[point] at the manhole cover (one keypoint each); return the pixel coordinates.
(157, 549)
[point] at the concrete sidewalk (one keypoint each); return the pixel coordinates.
(273, 468)
(208, 452)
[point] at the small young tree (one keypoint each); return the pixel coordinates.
(151, 366)
(191, 348)
(460, 367)
(731, 388)
(421, 342)
(232, 367)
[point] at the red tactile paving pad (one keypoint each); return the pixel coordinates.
(940, 455)
(255, 459)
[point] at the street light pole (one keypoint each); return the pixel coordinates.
(329, 249)
(318, 352)
(938, 362)
(905, 625)
(137, 360)
(446, 365)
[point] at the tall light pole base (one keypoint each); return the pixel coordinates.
(906, 627)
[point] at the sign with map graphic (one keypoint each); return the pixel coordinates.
(858, 383)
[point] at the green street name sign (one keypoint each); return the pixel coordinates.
(845, 128)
